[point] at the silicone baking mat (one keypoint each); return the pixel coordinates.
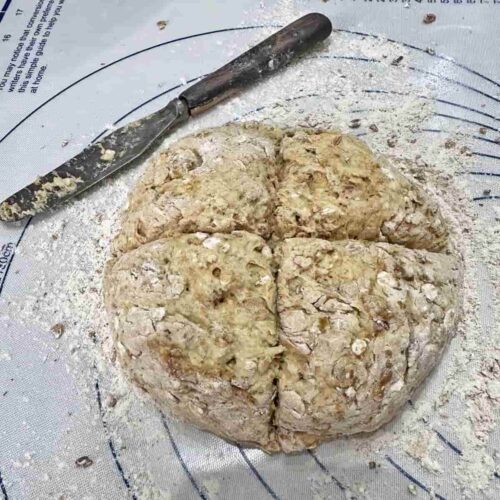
(71, 70)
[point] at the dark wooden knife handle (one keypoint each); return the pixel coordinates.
(265, 58)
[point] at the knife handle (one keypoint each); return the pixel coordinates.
(265, 58)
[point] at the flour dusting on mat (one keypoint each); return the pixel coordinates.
(66, 253)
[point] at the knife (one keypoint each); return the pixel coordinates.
(131, 141)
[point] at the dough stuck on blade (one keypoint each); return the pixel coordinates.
(280, 288)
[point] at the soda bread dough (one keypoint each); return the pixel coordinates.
(279, 288)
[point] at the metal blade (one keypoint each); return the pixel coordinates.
(94, 163)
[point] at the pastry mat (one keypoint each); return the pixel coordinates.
(71, 70)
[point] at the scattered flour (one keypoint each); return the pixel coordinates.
(5, 355)
(212, 487)
(422, 446)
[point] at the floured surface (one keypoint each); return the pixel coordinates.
(55, 278)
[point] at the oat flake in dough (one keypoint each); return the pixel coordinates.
(279, 288)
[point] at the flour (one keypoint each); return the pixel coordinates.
(212, 487)
(5, 355)
(421, 446)
(325, 90)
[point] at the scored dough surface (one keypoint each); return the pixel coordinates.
(279, 287)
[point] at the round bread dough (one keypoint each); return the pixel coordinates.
(280, 288)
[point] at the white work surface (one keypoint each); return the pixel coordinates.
(102, 63)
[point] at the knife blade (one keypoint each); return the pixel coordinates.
(131, 141)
